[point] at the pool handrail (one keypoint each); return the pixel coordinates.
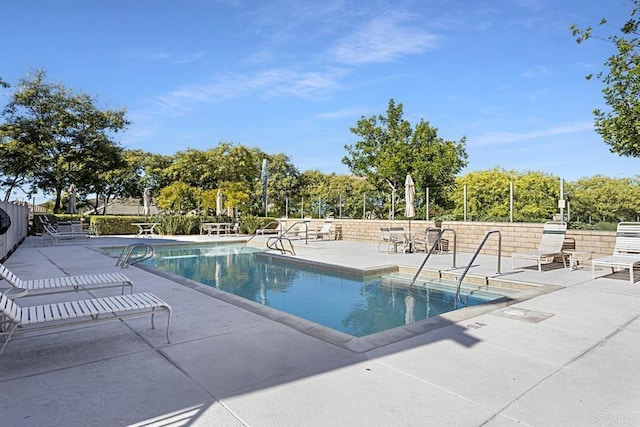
(125, 258)
(272, 243)
(436, 243)
(473, 258)
(277, 243)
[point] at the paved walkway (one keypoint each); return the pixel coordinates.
(571, 360)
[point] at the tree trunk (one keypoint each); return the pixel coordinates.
(56, 206)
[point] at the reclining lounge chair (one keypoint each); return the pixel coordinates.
(326, 230)
(550, 245)
(14, 318)
(626, 252)
(54, 235)
(274, 227)
(67, 283)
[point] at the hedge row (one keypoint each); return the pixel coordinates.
(170, 225)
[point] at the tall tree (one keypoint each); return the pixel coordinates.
(72, 136)
(17, 163)
(620, 126)
(206, 169)
(389, 149)
(534, 199)
(604, 198)
(283, 183)
(179, 198)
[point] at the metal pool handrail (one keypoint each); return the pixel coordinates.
(125, 259)
(473, 258)
(435, 245)
(277, 243)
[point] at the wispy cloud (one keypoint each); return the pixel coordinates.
(537, 71)
(265, 84)
(383, 39)
(493, 138)
(342, 114)
(163, 56)
(188, 58)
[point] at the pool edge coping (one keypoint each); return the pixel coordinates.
(340, 339)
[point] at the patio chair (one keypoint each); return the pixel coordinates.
(325, 230)
(550, 245)
(54, 285)
(626, 251)
(392, 237)
(54, 235)
(274, 227)
(424, 241)
(15, 319)
(385, 238)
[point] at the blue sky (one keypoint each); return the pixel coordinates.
(293, 76)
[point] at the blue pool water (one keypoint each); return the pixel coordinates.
(354, 305)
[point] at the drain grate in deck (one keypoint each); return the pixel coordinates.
(522, 314)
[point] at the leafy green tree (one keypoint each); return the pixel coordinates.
(17, 163)
(196, 168)
(284, 183)
(239, 164)
(389, 149)
(487, 195)
(313, 191)
(620, 126)
(70, 135)
(600, 198)
(150, 170)
(535, 195)
(206, 169)
(324, 193)
(209, 201)
(236, 195)
(103, 175)
(179, 198)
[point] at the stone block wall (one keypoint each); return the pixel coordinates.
(516, 236)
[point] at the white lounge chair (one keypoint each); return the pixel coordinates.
(54, 285)
(14, 318)
(626, 252)
(274, 227)
(325, 230)
(550, 245)
(54, 235)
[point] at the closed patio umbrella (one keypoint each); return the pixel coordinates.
(146, 201)
(409, 197)
(409, 209)
(72, 200)
(219, 203)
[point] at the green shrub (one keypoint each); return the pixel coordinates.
(579, 225)
(169, 225)
(111, 224)
(250, 223)
(175, 225)
(606, 226)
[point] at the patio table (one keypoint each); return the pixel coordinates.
(145, 228)
(217, 227)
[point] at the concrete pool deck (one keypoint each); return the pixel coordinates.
(571, 360)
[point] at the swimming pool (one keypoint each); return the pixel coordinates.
(358, 306)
